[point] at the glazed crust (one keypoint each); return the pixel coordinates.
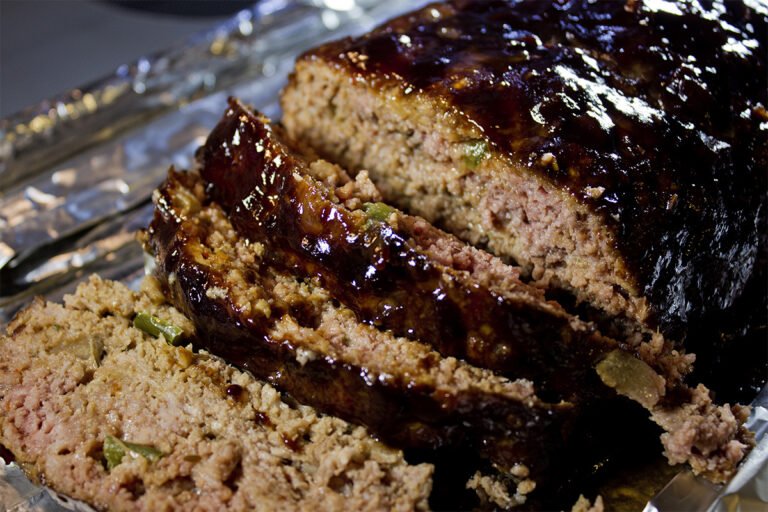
(654, 119)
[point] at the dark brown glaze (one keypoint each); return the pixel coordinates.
(234, 390)
(375, 269)
(663, 104)
(397, 408)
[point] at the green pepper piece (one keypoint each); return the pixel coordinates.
(155, 327)
(475, 151)
(378, 211)
(631, 377)
(114, 450)
(149, 452)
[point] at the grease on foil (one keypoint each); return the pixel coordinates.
(18, 494)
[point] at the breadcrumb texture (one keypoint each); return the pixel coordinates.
(584, 505)
(71, 375)
(494, 490)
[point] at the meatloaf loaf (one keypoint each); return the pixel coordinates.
(100, 410)
(616, 150)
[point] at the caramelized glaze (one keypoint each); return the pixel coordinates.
(660, 106)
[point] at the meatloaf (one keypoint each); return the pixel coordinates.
(616, 150)
(400, 276)
(103, 412)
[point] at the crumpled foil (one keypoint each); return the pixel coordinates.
(18, 494)
(77, 173)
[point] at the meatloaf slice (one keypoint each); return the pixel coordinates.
(615, 150)
(103, 412)
(291, 332)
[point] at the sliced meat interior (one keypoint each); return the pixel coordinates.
(97, 407)
(399, 273)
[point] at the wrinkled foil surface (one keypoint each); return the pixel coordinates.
(77, 173)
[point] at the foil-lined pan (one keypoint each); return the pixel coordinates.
(77, 173)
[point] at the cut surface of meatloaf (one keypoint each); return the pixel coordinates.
(105, 413)
(291, 332)
(402, 276)
(614, 149)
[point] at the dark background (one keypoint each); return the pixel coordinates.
(50, 46)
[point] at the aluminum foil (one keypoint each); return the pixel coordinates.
(77, 172)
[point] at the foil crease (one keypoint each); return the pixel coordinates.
(77, 173)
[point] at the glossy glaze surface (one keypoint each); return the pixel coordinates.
(653, 111)
(378, 272)
(398, 406)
